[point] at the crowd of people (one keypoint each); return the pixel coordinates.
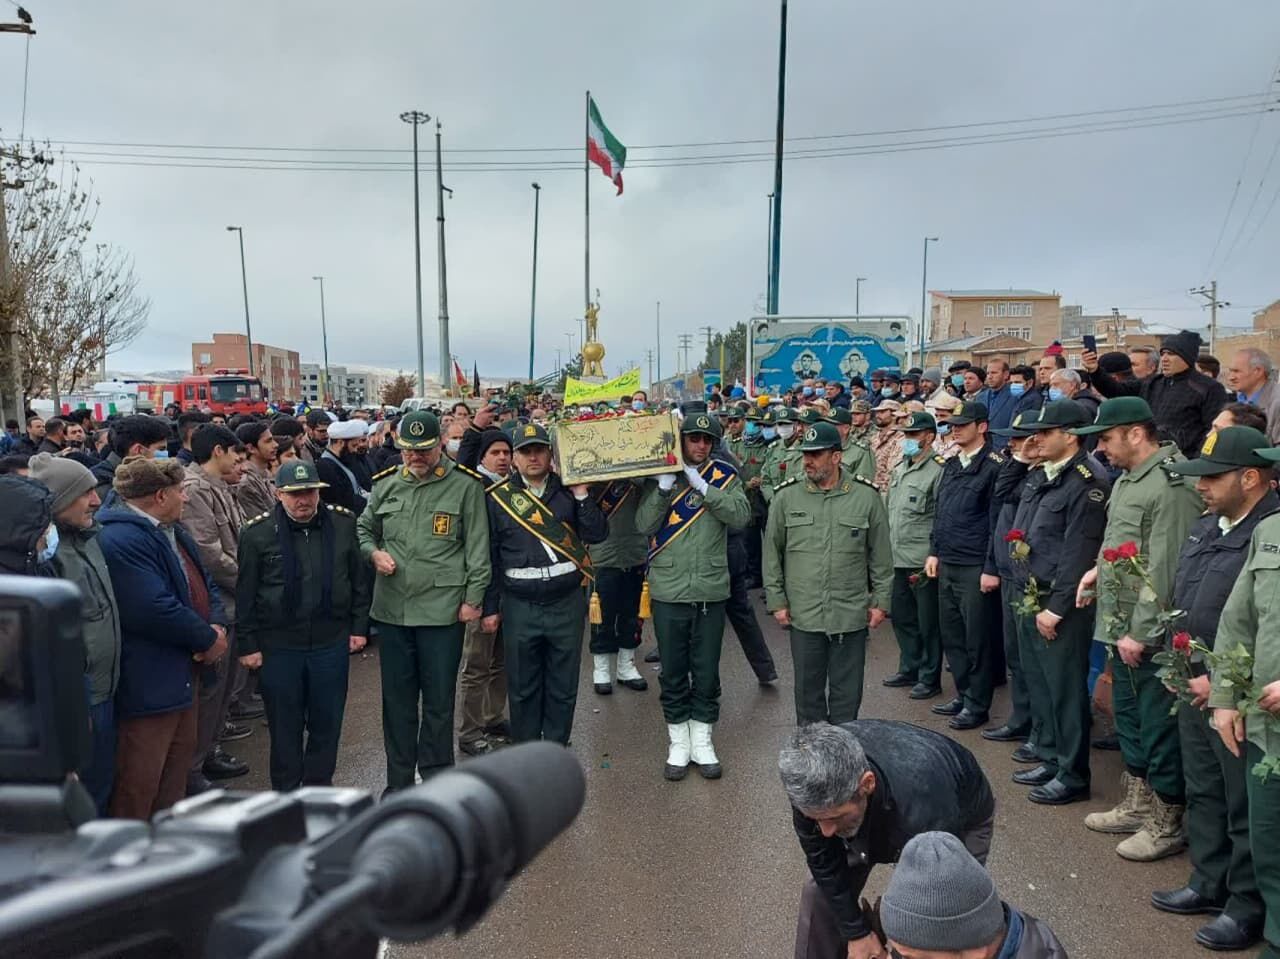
(1104, 540)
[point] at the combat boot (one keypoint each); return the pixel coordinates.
(678, 753)
(701, 751)
(628, 675)
(602, 673)
(1161, 835)
(1132, 812)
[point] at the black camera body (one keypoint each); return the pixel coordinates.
(318, 872)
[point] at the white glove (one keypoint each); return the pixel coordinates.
(667, 482)
(695, 480)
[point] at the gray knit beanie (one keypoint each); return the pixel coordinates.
(940, 897)
(65, 478)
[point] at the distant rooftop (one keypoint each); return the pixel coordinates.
(976, 294)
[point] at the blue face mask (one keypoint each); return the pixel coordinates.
(807, 391)
(637, 404)
(1017, 389)
(51, 544)
(1056, 394)
(752, 429)
(910, 447)
(958, 381)
(770, 432)
(886, 391)
(944, 429)
(160, 455)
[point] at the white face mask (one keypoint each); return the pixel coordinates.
(786, 430)
(453, 445)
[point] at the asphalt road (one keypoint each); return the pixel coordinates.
(705, 870)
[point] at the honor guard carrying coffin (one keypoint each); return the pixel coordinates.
(539, 533)
(828, 536)
(619, 579)
(688, 582)
(426, 532)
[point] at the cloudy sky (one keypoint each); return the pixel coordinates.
(1127, 218)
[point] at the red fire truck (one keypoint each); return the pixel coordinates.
(223, 391)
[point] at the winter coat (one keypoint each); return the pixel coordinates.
(26, 510)
(79, 559)
(1184, 404)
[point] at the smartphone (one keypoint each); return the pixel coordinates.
(1090, 342)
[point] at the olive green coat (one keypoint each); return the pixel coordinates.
(626, 546)
(781, 463)
(821, 548)
(913, 500)
(694, 567)
(1154, 509)
(437, 531)
(857, 458)
(1251, 619)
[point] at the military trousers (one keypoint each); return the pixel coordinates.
(305, 695)
(964, 612)
(1217, 817)
(482, 683)
(829, 675)
(689, 639)
(619, 592)
(1264, 839)
(544, 653)
(1057, 674)
(1148, 733)
(1019, 697)
(742, 615)
(419, 667)
(915, 625)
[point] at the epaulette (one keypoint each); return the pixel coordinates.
(468, 470)
(939, 459)
(384, 473)
(785, 483)
(257, 519)
(1084, 471)
(995, 457)
(340, 509)
(1171, 477)
(862, 479)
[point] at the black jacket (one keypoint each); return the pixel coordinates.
(1184, 404)
(511, 546)
(1209, 565)
(26, 510)
(25, 446)
(104, 471)
(967, 510)
(925, 782)
(340, 491)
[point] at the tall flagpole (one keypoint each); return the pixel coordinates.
(586, 202)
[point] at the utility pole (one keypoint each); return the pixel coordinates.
(857, 295)
(924, 284)
(324, 339)
(648, 355)
(685, 340)
(12, 404)
(1210, 292)
(533, 291)
(244, 282)
(445, 355)
(658, 322)
(776, 232)
(416, 118)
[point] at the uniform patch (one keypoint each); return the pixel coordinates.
(1269, 547)
(441, 523)
(439, 470)
(1210, 442)
(1096, 495)
(995, 457)
(1084, 471)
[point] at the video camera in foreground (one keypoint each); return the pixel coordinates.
(318, 872)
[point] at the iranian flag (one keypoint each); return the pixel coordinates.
(603, 148)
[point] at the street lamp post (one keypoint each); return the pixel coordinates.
(416, 118)
(324, 339)
(244, 282)
(924, 283)
(445, 355)
(857, 295)
(571, 334)
(533, 286)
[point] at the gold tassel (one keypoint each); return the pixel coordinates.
(595, 615)
(646, 610)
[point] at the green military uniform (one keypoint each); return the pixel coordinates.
(736, 444)
(754, 448)
(301, 594)
(821, 547)
(688, 583)
(437, 530)
(619, 569)
(1152, 508)
(1251, 622)
(783, 460)
(912, 502)
(856, 456)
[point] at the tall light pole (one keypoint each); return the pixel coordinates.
(768, 254)
(924, 283)
(533, 286)
(244, 282)
(324, 339)
(658, 326)
(416, 118)
(571, 334)
(857, 295)
(776, 232)
(445, 355)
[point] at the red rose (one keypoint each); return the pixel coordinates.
(1127, 550)
(913, 579)
(1110, 555)
(671, 459)
(782, 467)
(1014, 536)
(1182, 642)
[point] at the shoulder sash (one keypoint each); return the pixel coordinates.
(536, 519)
(613, 496)
(687, 506)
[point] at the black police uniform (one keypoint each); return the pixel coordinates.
(1008, 492)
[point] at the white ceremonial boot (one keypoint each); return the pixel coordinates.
(701, 752)
(678, 754)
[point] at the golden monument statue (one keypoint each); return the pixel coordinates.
(593, 349)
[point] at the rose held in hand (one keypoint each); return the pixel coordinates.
(1018, 547)
(1182, 642)
(1127, 550)
(1110, 555)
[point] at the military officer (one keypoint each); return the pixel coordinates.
(886, 442)
(426, 532)
(302, 607)
(689, 582)
(619, 577)
(784, 458)
(828, 534)
(913, 501)
(856, 457)
(958, 559)
(1232, 478)
(734, 417)
(1152, 508)
(1061, 514)
(862, 427)
(1250, 625)
(540, 530)
(753, 449)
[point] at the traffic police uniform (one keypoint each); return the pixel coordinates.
(437, 531)
(1061, 512)
(539, 558)
(1217, 817)
(1153, 508)
(822, 548)
(688, 581)
(961, 540)
(912, 502)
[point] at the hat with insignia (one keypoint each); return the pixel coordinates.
(1119, 411)
(1022, 426)
(529, 434)
(839, 416)
(820, 436)
(973, 412)
(753, 414)
(784, 414)
(419, 430)
(1233, 448)
(1060, 415)
(735, 411)
(810, 415)
(704, 422)
(298, 475)
(918, 422)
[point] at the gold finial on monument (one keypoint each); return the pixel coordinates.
(593, 349)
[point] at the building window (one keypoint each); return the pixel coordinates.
(205, 359)
(1002, 309)
(986, 331)
(989, 310)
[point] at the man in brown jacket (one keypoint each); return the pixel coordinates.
(213, 519)
(256, 493)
